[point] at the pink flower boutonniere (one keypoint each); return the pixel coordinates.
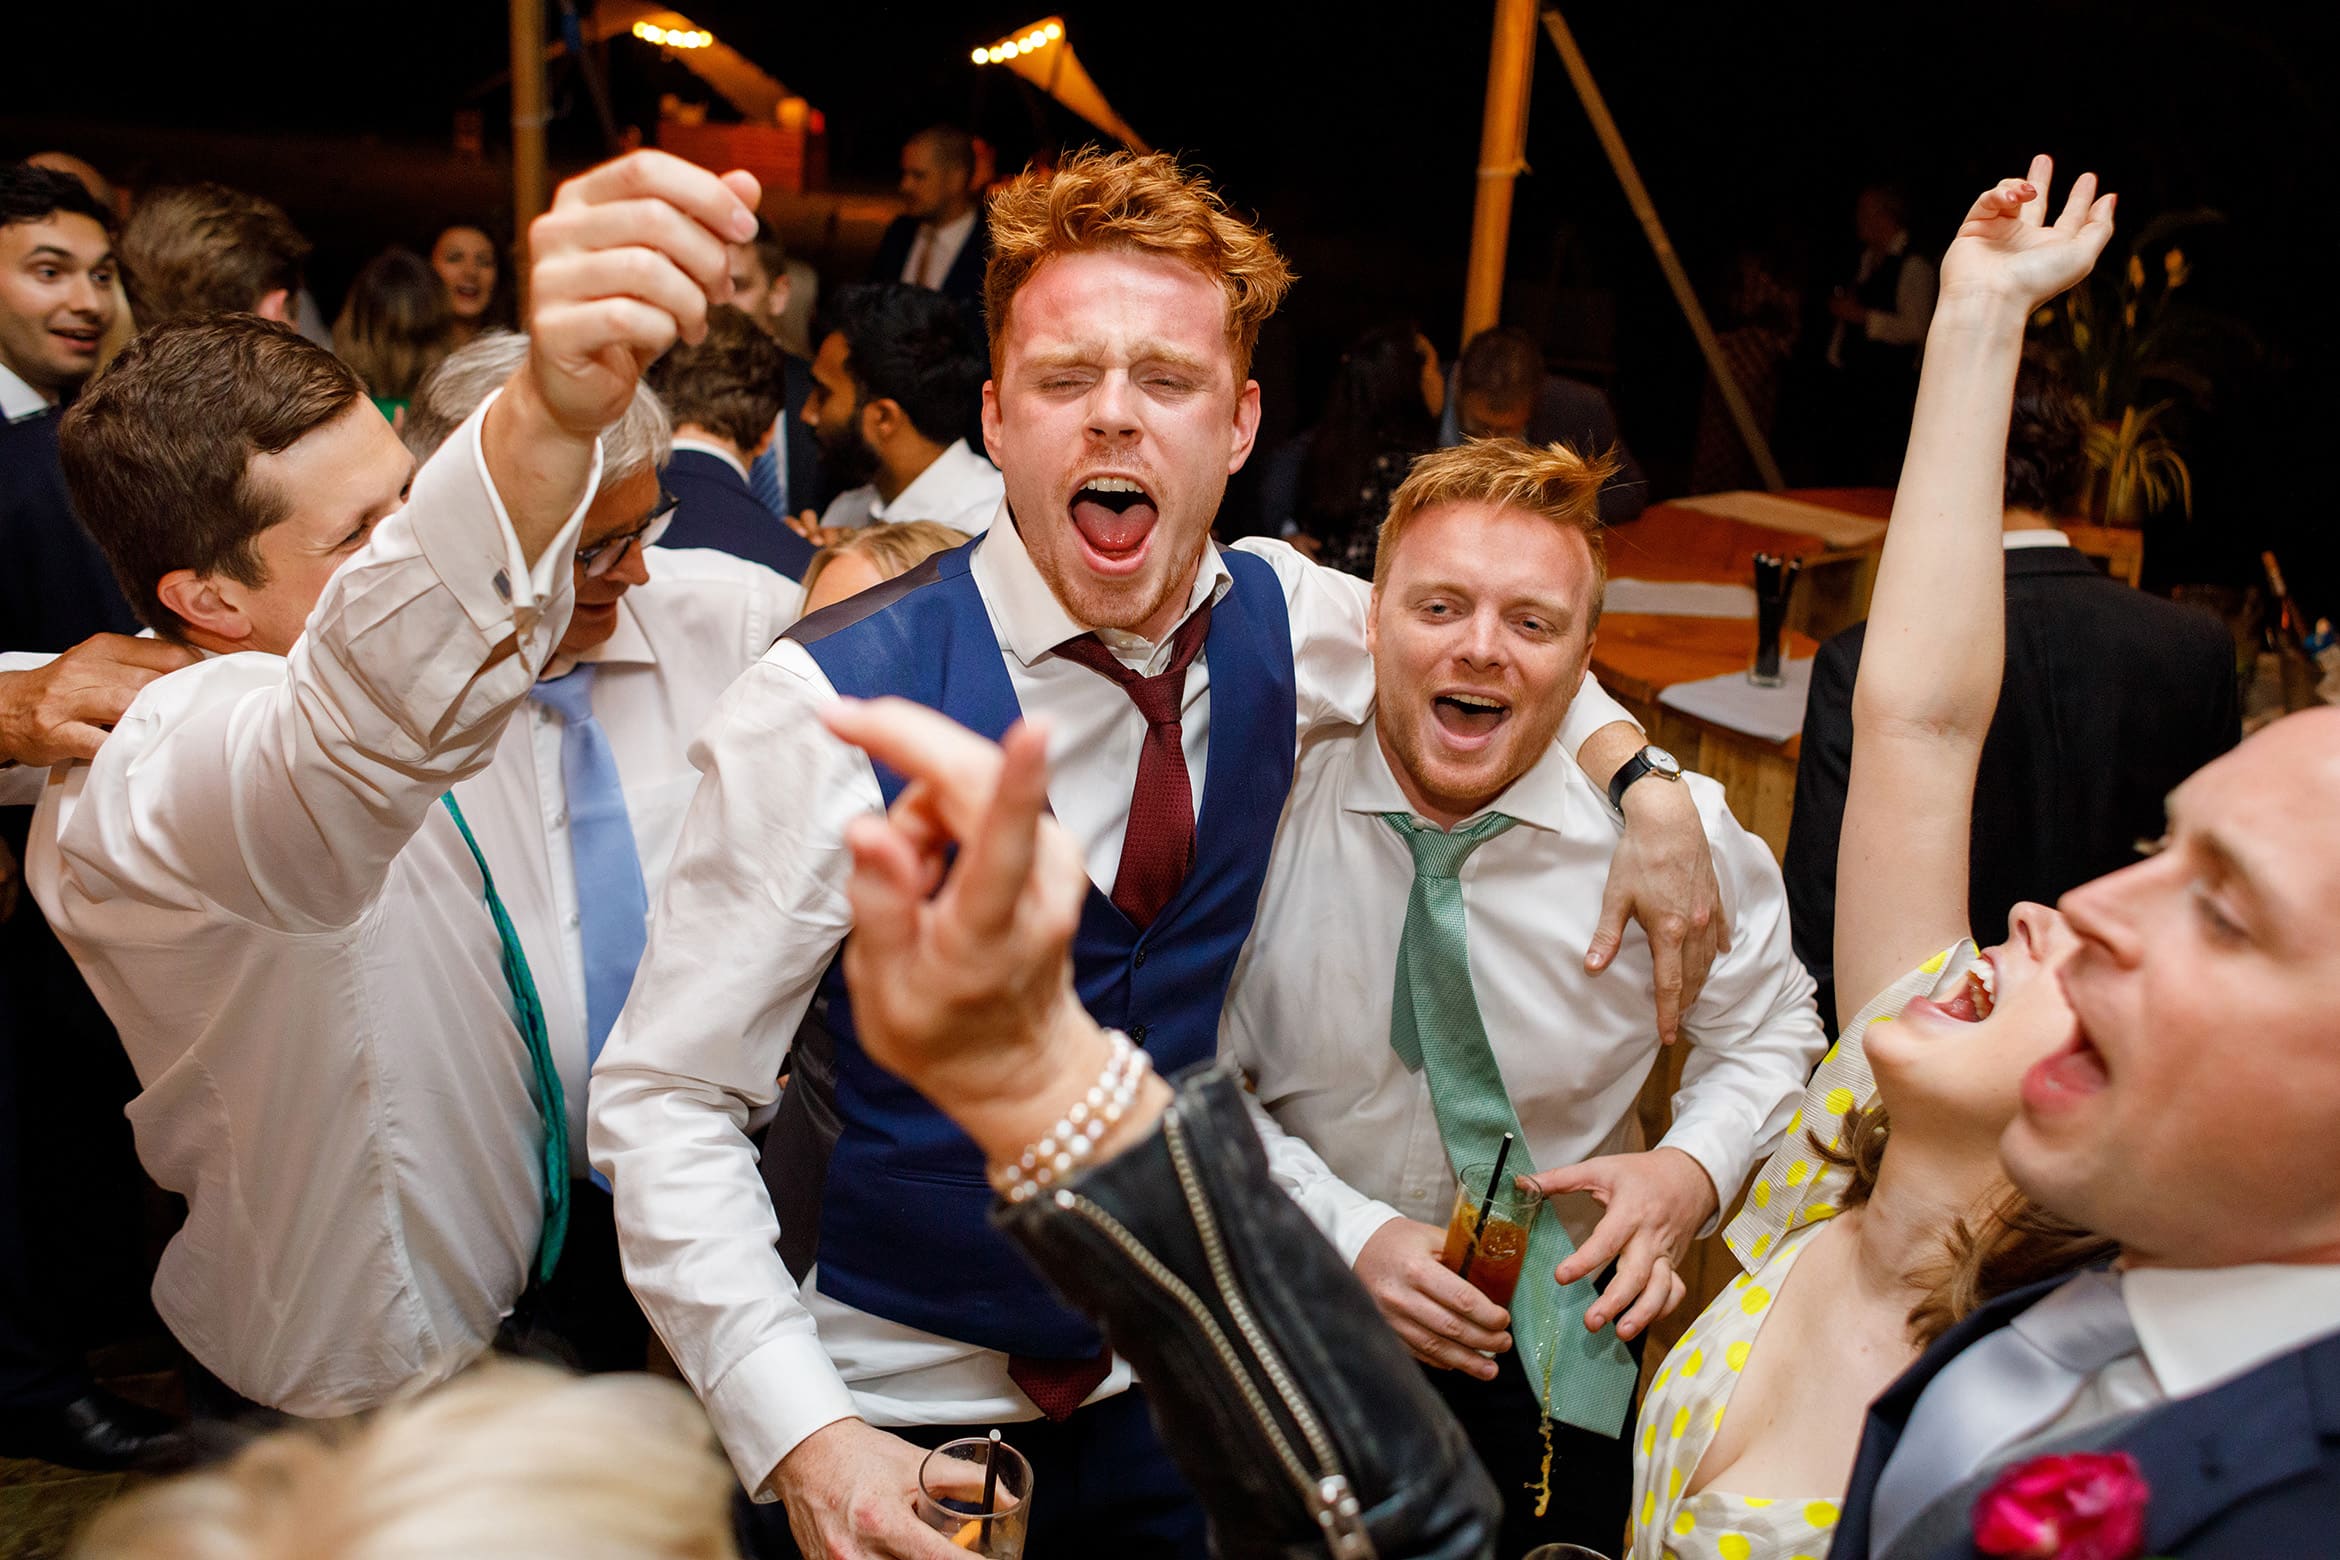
(2080, 1506)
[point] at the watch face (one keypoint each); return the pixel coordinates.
(1662, 761)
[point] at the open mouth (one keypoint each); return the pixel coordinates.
(79, 340)
(2073, 1073)
(1469, 718)
(1114, 517)
(1972, 1002)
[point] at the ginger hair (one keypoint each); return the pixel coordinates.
(1146, 204)
(1550, 480)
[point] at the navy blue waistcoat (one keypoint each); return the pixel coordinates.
(905, 1231)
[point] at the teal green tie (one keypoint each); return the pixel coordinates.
(528, 1013)
(1582, 1378)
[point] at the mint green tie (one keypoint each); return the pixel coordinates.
(1582, 1378)
(528, 1013)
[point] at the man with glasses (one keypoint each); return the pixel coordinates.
(579, 811)
(342, 1051)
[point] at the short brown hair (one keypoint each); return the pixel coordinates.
(730, 383)
(207, 249)
(394, 325)
(158, 451)
(1503, 364)
(1121, 200)
(1551, 480)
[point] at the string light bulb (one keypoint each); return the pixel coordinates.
(1040, 37)
(673, 37)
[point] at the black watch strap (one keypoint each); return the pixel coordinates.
(1633, 769)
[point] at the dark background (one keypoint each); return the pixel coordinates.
(1352, 131)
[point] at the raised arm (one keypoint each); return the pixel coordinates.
(1936, 645)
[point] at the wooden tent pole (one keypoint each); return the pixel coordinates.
(1511, 61)
(528, 120)
(1596, 109)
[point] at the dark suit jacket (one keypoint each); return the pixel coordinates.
(965, 278)
(2246, 1471)
(56, 588)
(715, 509)
(2111, 698)
(805, 488)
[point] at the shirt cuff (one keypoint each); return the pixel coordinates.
(769, 1402)
(489, 573)
(1588, 712)
(1353, 1227)
(1722, 1151)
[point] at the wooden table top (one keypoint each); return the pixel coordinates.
(1671, 542)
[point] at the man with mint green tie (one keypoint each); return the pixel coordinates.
(1416, 989)
(340, 1043)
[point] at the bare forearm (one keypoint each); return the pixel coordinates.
(538, 466)
(1937, 631)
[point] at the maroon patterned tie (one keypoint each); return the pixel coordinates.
(1158, 847)
(1156, 851)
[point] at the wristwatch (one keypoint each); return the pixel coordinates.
(1651, 760)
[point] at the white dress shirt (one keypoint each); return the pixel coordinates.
(19, 400)
(936, 249)
(2199, 1328)
(753, 910)
(259, 882)
(2033, 537)
(1308, 1013)
(959, 488)
(702, 619)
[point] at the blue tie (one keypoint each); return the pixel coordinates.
(613, 903)
(528, 1018)
(765, 478)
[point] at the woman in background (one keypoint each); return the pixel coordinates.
(871, 556)
(394, 328)
(465, 258)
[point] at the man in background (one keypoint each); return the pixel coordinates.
(939, 242)
(207, 249)
(721, 395)
(1880, 318)
(1502, 391)
(898, 378)
(786, 477)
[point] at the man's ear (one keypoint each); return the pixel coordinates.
(1246, 425)
(213, 621)
(992, 426)
(275, 306)
(882, 420)
(1372, 621)
(776, 295)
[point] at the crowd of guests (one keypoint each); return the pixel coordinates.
(631, 845)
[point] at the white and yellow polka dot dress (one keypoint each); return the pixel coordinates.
(1794, 1193)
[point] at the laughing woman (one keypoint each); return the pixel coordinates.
(1864, 1241)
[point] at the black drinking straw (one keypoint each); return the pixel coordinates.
(990, 1491)
(1486, 1206)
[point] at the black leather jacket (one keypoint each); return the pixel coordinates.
(1300, 1420)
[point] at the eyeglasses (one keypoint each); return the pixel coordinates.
(607, 554)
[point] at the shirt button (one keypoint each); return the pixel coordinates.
(543, 714)
(1138, 959)
(504, 584)
(1137, 1033)
(575, 920)
(560, 820)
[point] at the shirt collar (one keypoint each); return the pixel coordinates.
(1032, 622)
(706, 447)
(2199, 1327)
(927, 496)
(2017, 541)
(18, 399)
(956, 230)
(1542, 798)
(626, 645)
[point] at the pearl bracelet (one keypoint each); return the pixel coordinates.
(1081, 1128)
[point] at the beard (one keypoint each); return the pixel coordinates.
(847, 461)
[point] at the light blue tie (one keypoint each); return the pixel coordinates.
(765, 478)
(1581, 1378)
(1998, 1392)
(528, 1018)
(613, 903)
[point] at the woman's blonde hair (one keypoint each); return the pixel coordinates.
(1143, 203)
(2015, 1243)
(893, 548)
(510, 1460)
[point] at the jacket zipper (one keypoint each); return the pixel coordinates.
(1327, 1494)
